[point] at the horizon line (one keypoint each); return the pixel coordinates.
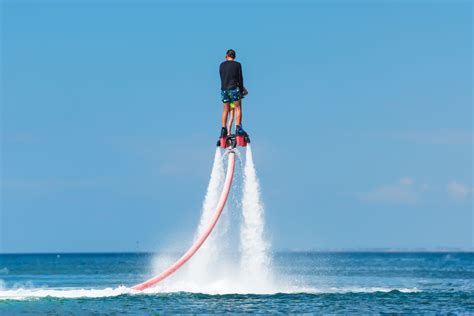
(281, 251)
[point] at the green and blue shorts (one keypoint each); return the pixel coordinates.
(230, 95)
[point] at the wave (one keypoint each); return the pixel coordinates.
(22, 293)
(74, 293)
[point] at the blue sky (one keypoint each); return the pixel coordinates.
(360, 114)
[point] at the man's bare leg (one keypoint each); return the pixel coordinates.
(241, 110)
(231, 120)
(238, 113)
(225, 113)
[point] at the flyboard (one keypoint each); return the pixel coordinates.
(226, 142)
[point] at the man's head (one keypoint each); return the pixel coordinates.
(230, 54)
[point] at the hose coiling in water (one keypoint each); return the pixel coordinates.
(200, 241)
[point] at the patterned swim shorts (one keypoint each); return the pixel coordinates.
(230, 95)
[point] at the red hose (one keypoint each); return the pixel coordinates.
(195, 247)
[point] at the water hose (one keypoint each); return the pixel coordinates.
(200, 241)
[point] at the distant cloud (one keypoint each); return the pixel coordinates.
(443, 136)
(406, 191)
(458, 191)
(407, 181)
(403, 192)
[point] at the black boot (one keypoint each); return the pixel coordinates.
(223, 132)
(240, 130)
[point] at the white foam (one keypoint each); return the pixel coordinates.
(216, 288)
(22, 293)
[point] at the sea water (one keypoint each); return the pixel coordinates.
(321, 282)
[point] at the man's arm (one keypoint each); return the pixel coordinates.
(241, 79)
(220, 72)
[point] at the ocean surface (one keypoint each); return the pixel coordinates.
(305, 282)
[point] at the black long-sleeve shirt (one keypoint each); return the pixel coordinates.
(231, 75)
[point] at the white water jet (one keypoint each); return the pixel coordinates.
(212, 194)
(216, 267)
(255, 250)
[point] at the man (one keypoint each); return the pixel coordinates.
(232, 91)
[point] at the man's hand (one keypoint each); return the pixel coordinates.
(244, 91)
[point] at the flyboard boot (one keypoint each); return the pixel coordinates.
(240, 138)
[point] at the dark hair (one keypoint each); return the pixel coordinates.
(230, 53)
